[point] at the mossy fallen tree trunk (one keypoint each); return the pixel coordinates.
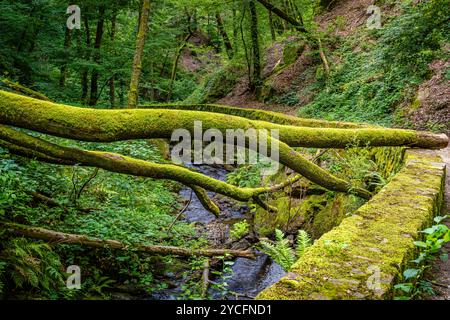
(67, 238)
(122, 164)
(24, 90)
(114, 125)
(263, 115)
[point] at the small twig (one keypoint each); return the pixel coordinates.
(181, 212)
(85, 184)
(72, 196)
(441, 285)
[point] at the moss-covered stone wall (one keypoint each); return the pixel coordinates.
(363, 256)
(320, 212)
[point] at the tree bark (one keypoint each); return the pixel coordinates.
(114, 125)
(84, 70)
(25, 90)
(272, 27)
(63, 70)
(225, 38)
(137, 62)
(256, 83)
(263, 115)
(67, 238)
(173, 75)
(283, 15)
(112, 84)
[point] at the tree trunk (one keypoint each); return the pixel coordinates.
(235, 28)
(84, 70)
(122, 92)
(137, 63)
(256, 83)
(115, 125)
(25, 90)
(67, 238)
(272, 27)
(175, 66)
(296, 12)
(63, 70)
(223, 33)
(97, 45)
(112, 85)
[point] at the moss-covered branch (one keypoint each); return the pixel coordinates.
(32, 154)
(204, 199)
(122, 164)
(127, 165)
(263, 115)
(24, 90)
(113, 125)
(67, 238)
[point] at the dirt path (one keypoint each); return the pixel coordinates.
(441, 270)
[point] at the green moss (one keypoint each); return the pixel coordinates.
(379, 235)
(415, 105)
(256, 114)
(215, 87)
(113, 125)
(292, 51)
(288, 217)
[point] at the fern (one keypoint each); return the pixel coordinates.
(31, 264)
(280, 250)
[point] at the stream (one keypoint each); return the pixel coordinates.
(249, 277)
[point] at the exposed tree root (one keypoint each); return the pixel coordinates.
(67, 238)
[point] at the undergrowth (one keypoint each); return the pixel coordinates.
(381, 69)
(109, 206)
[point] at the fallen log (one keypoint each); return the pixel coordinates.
(205, 279)
(76, 239)
(24, 90)
(97, 125)
(122, 164)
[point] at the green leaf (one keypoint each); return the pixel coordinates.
(421, 258)
(405, 287)
(429, 230)
(439, 219)
(402, 298)
(420, 244)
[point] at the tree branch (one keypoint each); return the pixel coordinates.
(297, 24)
(115, 125)
(67, 238)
